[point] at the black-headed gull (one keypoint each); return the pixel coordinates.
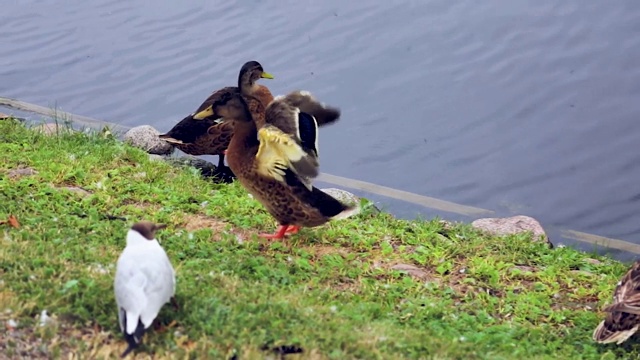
(144, 282)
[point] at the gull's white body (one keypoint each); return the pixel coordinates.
(144, 282)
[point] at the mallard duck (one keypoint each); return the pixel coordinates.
(623, 316)
(274, 154)
(211, 136)
(144, 282)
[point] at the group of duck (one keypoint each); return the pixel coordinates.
(271, 146)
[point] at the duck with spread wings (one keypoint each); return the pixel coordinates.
(211, 136)
(274, 154)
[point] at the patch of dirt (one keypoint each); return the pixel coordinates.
(141, 205)
(322, 250)
(76, 190)
(195, 222)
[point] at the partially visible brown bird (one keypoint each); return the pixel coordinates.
(623, 316)
(211, 136)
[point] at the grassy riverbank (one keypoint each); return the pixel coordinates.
(331, 292)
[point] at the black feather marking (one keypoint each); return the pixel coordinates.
(132, 339)
(188, 129)
(325, 203)
(327, 115)
(308, 132)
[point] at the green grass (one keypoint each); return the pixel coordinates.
(330, 291)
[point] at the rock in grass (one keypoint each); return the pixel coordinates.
(20, 172)
(146, 138)
(512, 225)
(10, 117)
(343, 196)
(206, 168)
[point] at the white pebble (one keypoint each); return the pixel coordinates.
(44, 318)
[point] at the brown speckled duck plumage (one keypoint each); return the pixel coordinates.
(274, 154)
(623, 316)
(212, 136)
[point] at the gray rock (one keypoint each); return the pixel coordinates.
(11, 117)
(343, 196)
(206, 168)
(146, 138)
(77, 190)
(512, 225)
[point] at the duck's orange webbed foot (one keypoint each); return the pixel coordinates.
(282, 231)
(292, 229)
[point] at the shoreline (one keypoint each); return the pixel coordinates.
(371, 286)
(622, 249)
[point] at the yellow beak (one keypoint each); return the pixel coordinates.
(266, 75)
(204, 113)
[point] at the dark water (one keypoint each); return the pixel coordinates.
(527, 107)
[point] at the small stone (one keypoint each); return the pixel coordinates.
(146, 138)
(45, 319)
(16, 173)
(512, 225)
(446, 225)
(411, 270)
(11, 117)
(77, 190)
(53, 129)
(11, 324)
